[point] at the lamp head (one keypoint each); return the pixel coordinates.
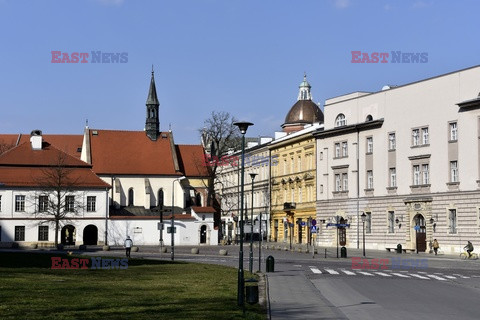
(243, 126)
(253, 175)
(364, 216)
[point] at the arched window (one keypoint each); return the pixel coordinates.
(130, 197)
(340, 120)
(369, 118)
(160, 199)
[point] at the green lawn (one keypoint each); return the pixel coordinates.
(148, 289)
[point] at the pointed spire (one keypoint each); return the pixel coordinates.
(152, 94)
(304, 89)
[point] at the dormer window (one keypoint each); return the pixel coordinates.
(341, 120)
(369, 118)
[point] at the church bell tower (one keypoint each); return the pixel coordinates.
(152, 124)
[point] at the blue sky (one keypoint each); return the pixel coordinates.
(244, 57)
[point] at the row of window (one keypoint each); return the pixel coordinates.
(421, 176)
(452, 221)
(44, 204)
(420, 137)
(20, 233)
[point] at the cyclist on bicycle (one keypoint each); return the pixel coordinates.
(469, 248)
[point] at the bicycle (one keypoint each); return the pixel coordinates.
(464, 256)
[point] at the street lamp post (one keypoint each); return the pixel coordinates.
(252, 175)
(172, 228)
(260, 240)
(364, 216)
(242, 126)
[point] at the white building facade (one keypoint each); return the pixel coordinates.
(408, 158)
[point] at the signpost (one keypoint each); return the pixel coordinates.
(338, 225)
(169, 230)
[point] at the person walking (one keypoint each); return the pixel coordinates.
(435, 246)
(128, 246)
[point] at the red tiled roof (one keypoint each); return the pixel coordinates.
(22, 166)
(192, 161)
(204, 209)
(24, 155)
(68, 143)
(33, 177)
(131, 152)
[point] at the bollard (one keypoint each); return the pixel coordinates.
(399, 248)
(270, 264)
(343, 252)
(325, 253)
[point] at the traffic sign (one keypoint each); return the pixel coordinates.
(416, 228)
(314, 229)
(169, 230)
(160, 226)
(303, 224)
(314, 222)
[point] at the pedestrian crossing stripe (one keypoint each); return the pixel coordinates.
(315, 270)
(436, 277)
(331, 271)
(350, 273)
(419, 276)
(461, 276)
(365, 273)
(383, 274)
(400, 275)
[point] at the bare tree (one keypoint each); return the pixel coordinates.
(219, 136)
(59, 195)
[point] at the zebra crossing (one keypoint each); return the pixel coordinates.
(387, 274)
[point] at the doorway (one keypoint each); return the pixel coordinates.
(421, 233)
(203, 234)
(68, 235)
(90, 235)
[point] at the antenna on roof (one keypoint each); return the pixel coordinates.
(86, 123)
(170, 127)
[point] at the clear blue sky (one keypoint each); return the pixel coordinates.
(244, 57)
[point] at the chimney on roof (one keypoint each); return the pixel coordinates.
(36, 139)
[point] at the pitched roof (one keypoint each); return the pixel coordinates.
(22, 166)
(132, 152)
(204, 209)
(69, 143)
(192, 161)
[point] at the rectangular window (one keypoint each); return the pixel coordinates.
(300, 194)
(70, 203)
(391, 221)
(452, 221)
(425, 139)
(284, 166)
(368, 222)
(370, 145)
(337, 150)
(19, 233)
(338, 185)
(425, 174)
(415, 137)
(392, 143)
(369, 179)
(91, 203)
(42, 203)
(345, 181)
(19, 203)
(292, 165)
(393, 177)
(299, 164)
(453, 131)
(416, 175)
(453, 171)
(42, 233)
(344, 149)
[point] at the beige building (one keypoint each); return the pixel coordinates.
(408, 158)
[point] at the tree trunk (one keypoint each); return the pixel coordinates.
(57, 225)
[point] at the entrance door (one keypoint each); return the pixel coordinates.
(342, 233)
(300, 230)
(203, 234)
(421, 233)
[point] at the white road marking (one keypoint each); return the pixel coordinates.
(315, 270)
(400, 275)
(450, 277)
(436, 277)
(418, 276)
(459, 275)
(365, 273)
(422, 272)
(331, 271)
(350, 273)
(383, 274)
(297, 265)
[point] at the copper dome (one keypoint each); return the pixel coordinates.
(303, 112)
